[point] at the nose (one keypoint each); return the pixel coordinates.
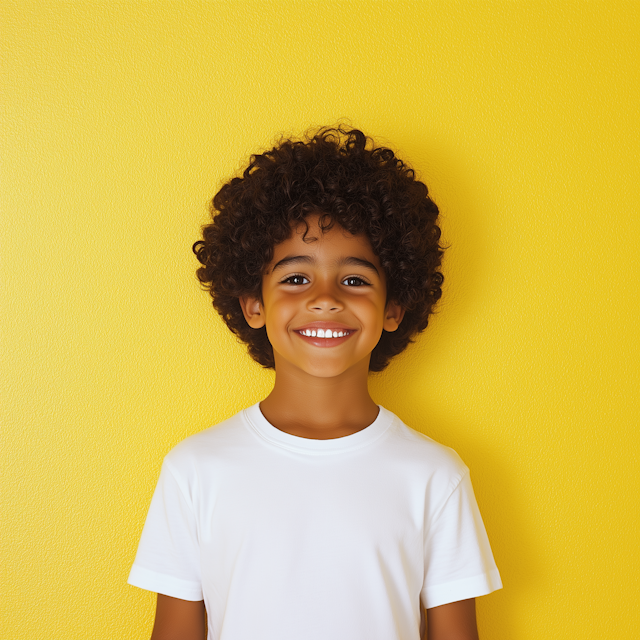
(324, 298)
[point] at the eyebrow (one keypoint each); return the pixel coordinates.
(350, 261)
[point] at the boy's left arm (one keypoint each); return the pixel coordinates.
(453, 621)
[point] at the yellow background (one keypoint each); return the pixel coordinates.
(119, 121)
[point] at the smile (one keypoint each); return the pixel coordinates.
(322, 333)
(324, 337)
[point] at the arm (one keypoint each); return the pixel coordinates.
(453, 621)
(179, 619)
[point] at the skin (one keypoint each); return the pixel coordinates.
(329, 280)
(453, 621)
(321, 392)
(179, 619)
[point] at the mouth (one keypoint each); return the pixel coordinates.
(324, 333)
(325, 336)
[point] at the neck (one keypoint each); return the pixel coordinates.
(320, 408)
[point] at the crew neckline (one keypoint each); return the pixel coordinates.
(260, 425)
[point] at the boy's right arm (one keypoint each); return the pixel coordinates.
(179, 619)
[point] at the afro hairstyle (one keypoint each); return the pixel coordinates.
(341, 174)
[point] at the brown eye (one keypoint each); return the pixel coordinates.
(296, 280)
(353, 281)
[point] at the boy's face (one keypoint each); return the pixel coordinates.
(331, 283)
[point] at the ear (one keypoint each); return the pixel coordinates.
(253, 311)
(393, 315)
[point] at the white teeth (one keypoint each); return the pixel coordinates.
(321, 333)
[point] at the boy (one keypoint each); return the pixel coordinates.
(316, 514)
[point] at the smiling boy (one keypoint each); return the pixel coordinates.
(319, 283)
(316, 514)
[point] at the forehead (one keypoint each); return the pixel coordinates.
(311, 239)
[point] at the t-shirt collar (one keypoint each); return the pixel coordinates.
(256, 420)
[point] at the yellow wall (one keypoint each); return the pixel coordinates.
(119, 120)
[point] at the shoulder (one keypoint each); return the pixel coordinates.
(215, 442)
(420, 453)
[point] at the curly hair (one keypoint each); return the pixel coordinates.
(341, 174)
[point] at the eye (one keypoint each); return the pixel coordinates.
(355, 281)
(295, 280)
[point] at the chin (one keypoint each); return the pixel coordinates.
(325, 372)
(329, 369)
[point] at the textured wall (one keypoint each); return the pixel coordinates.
(118, 122)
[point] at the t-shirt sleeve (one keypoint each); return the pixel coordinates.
(168, 558)
(458, 559)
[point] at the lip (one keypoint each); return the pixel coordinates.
(333, 326)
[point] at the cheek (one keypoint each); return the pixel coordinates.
(372, 314)
(279, 311)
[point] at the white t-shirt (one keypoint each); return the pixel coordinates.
(287, 538)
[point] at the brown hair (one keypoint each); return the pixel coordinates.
(363, 188)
